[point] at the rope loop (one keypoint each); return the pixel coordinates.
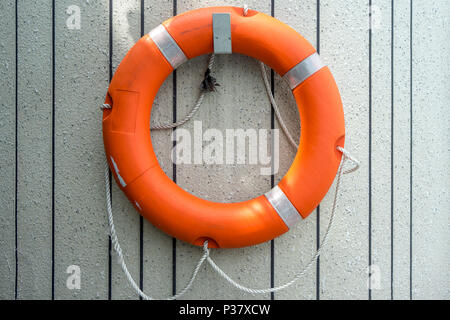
(206, 251)
(347, 155)
(121, 259)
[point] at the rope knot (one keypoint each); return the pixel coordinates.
(346, 155)
(209, 83)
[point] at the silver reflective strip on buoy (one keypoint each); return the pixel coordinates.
(116, 169)
(222, 33)
(303, 70)
(137, 205)
(283, 206)
(167, 45)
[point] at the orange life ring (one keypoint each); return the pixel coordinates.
(134, 164)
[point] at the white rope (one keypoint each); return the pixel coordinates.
(347, 154)
(286, 130)
(311, 261)
(121, 259)
(206, 256)
(183, 121)
(194, 109)
(275, 106)
(189, 115)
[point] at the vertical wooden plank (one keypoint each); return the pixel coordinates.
(430, 171)
(126, 31)
(158, 245)
(344, 48)
(294, 249)
(401, 143)
(7, 149)
(239, 103)
(81, 71)
(34, 197)
(380, 150)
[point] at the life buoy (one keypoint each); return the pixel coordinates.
(134, 164)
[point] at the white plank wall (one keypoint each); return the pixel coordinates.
(401, 158)
(80, 236)
(392, 224)
(380, 148)
(430, 150)
(7, 150)
(346, 259)
(296, 247)
(34, 151)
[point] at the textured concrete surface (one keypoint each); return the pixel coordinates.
(344, 45)
(81, 73)
(402, 230)
(431, 154)
(34, 153)
(7, 150)
(401, 158)
(381, 140)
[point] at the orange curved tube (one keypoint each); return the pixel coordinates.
(134, 164)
